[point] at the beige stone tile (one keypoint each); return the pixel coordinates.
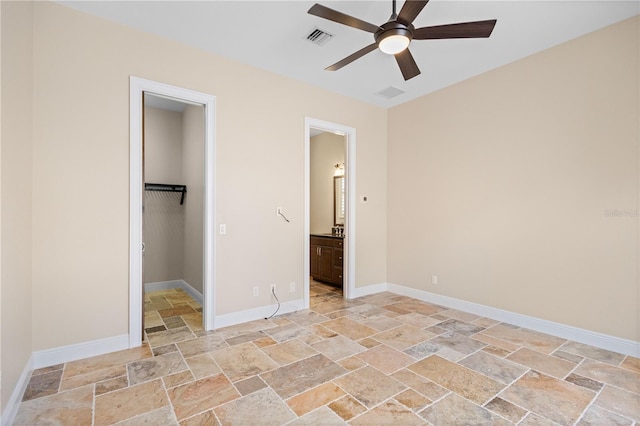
(306, 318)
(455, 410)
(535, 420)
(349, 328)
(417, 320)
(369, 386)
(201, 345)
(596, 416)
(631, 363)
(413, 305)
(498, 343)
(368, 342)
(543, 363)
(352, 363)
(322, 416)
(208, 418)
(496, 368)
(464, 381)
(385, 358)
(412, 400)
(155, 367)
(423, 349)
(451, 355)
(92, 377)
(201, 395)
(495, 351)
(176, 311)
(287, 331)
(101, 362)
(111, 385)
(263, 407)
(250, 385)
(458, 342)
(243, 361)
(45, 370)
(202, 366)
(620, 401)
(402, 337)
(388, 413)
(557, 400)
(485, 322)
(611, 375)
(173, 335)
(42, 384)
(460, 327)
(347, 407)
(129, 402)
(381, 322)
(590, 384)
(338, 347)
(302, 375)
(592, 352)
(178, 379)
(308, 401)
(193, 321)
(161, 416)
(244, 338)
(576, 359)
(264, 342)
(64, 408)
(420, 384)
(288, 352)
(459, 315)
(321, 331)
(518, 336)
(506, 409)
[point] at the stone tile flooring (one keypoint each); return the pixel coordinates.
(379, 359)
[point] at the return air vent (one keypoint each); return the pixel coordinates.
(390, 92)
(318, 37)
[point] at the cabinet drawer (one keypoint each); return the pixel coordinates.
(338, 257)
(337, 275)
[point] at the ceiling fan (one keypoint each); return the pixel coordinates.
(394, 36)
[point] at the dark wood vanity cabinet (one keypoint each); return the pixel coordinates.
(327, 259)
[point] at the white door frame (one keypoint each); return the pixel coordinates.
(137, 87)
(350, 221)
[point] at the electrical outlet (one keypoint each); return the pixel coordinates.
(256, 291)
(292, 287)
(434, 279)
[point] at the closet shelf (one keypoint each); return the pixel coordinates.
(167, 188)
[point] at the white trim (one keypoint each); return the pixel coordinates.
(604, 341)
(370, 289)
(49, 357)
(166, 285)
(137, 87)
(350, 222)
(13, 404)
(258, 313)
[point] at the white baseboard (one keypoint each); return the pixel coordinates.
(166, 285)
(604, 341)
(11, 409)
(370, 289)
(258, 313)
(49, 357)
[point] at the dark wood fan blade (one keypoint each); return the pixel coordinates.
(478, 29)
(407, 64)
(339, 17)
(346, 61)
(410, 10)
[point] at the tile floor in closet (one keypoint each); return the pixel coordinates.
(378, 359)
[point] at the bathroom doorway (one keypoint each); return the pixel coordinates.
(329, 205)
(172, 197)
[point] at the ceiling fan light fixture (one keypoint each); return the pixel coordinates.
(394, 44)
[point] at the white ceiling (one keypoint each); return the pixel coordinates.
(271, 35)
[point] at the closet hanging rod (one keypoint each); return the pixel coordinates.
(167, 188)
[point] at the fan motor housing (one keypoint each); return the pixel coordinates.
(393, 28)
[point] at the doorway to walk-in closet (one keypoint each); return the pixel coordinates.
(181, 203)
(173, 214)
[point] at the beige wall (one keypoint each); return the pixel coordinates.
(164, 216)
(326, 150)
(81, 147)
(193, 177)
(503, 186)
(16, 187)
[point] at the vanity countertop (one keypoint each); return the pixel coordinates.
(328, 235)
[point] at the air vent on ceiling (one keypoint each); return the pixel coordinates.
(390, 92)
(318, 37)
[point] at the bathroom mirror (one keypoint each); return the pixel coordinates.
(338, 201)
